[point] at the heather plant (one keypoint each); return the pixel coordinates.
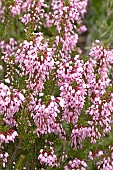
(56, 105)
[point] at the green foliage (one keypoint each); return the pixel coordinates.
(99, 21)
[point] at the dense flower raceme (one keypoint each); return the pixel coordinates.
(8, 50)
(97, 83)
(73, 88)
(10, 102)
(101, 116)
(8, 137)
(20, 6)
(78, 135)
(67, 15)
(76, 164)
(36, 61)
(4, 157)
(48, 157)
(98, 80)
(45, 117)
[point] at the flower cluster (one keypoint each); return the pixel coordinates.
(101, 117)
(8, 50)
(48, 157)
(78, 135)
(4, 157)
(19, 6)
(9, 136)
(72, 89)
(32, 11)
(35, 60)
(10, 102)
(76, 164)
(45, 117)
